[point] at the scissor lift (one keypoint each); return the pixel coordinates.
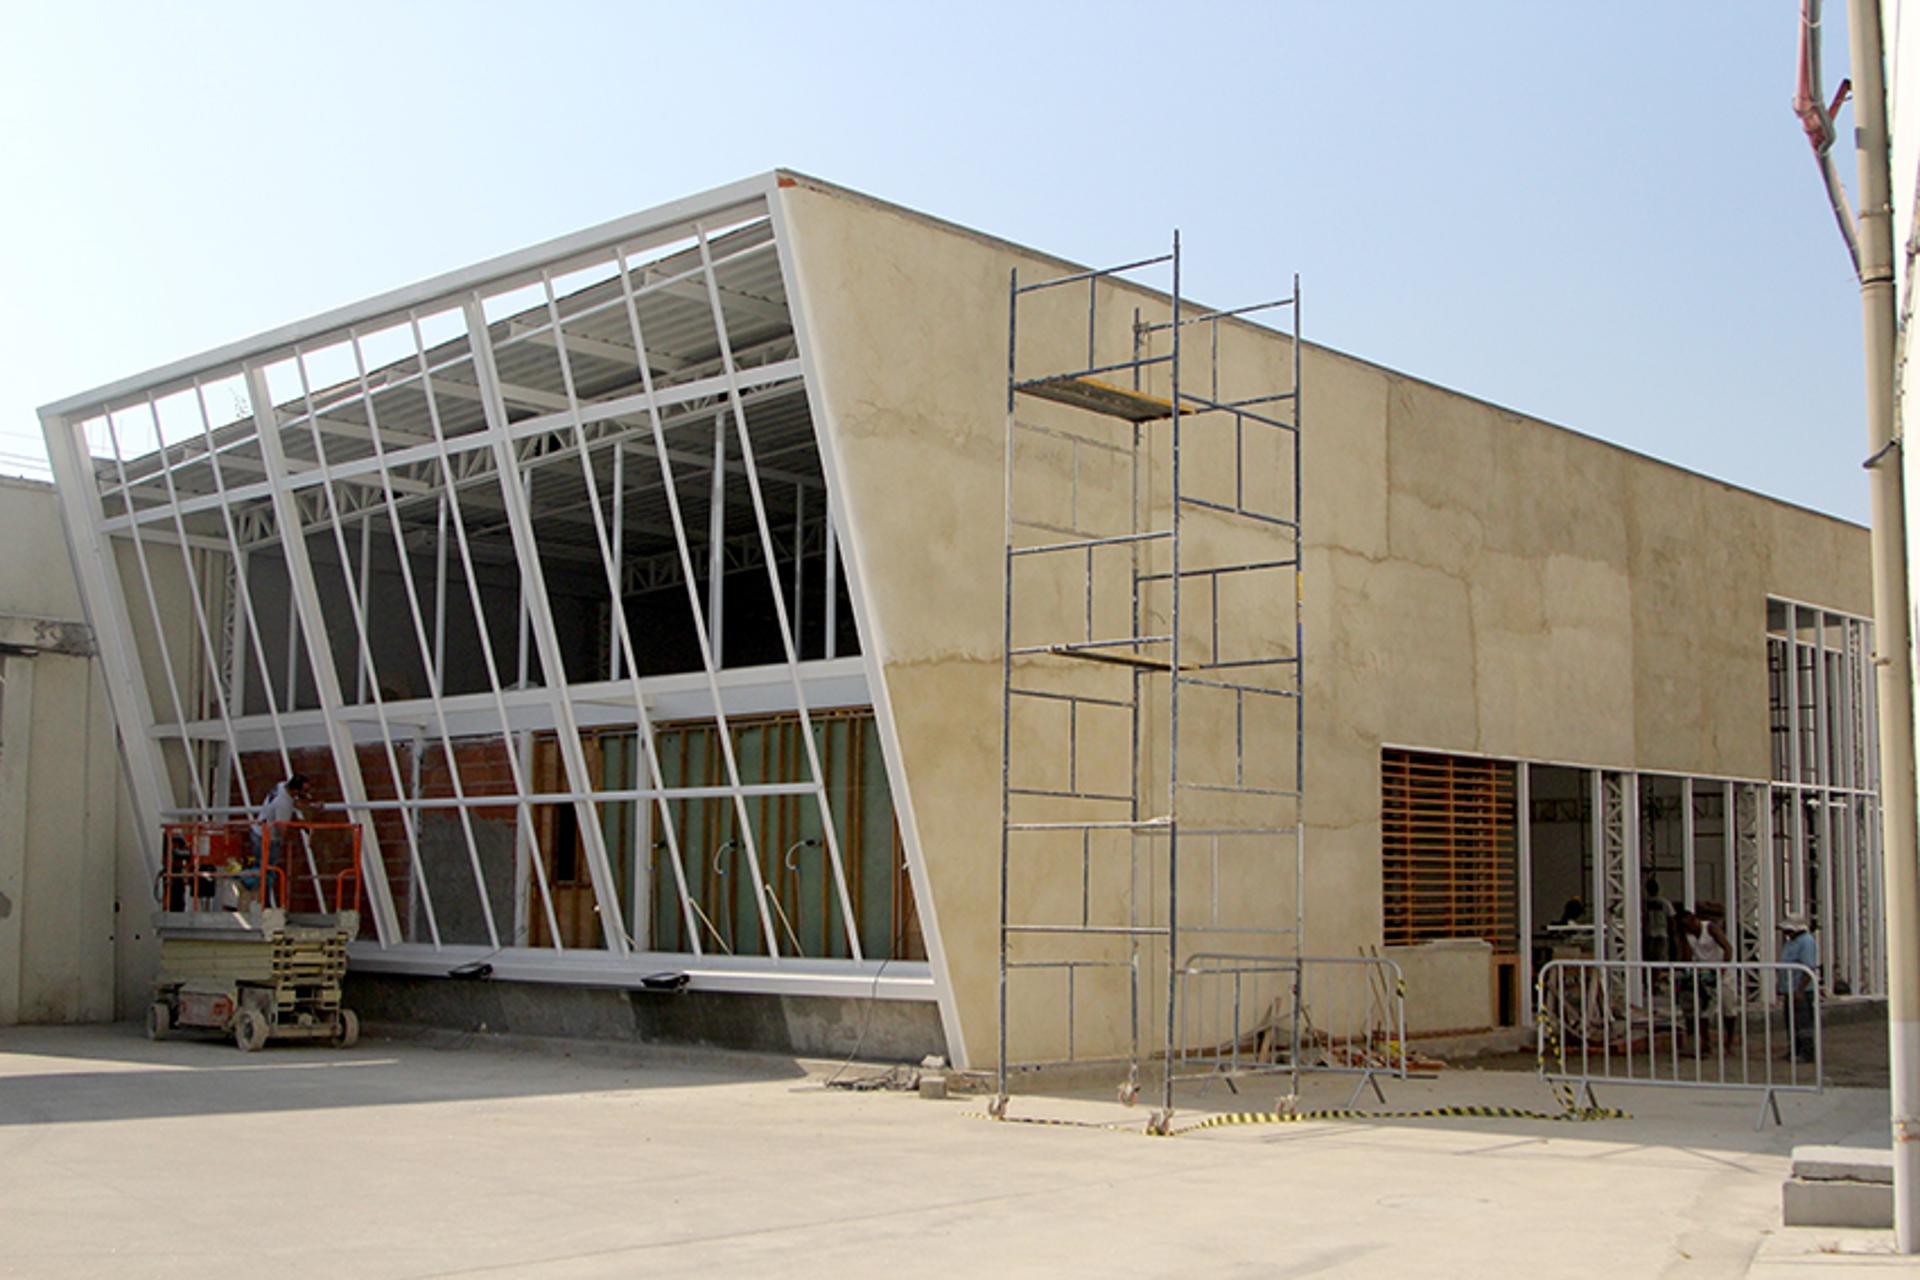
(254, 944)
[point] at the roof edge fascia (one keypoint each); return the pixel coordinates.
(478, 275)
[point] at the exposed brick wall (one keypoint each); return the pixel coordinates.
(484, 770)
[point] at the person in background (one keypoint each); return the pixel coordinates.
(1702, 941)
(1796, 985)
(1656, 922)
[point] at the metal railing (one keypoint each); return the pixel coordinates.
(217, 866)
(1250, 1015)
(1736, 1024)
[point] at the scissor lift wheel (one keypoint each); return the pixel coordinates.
(250, 1030)
(159, 1020)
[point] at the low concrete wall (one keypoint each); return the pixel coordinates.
(1449, 985)
(807, 1026)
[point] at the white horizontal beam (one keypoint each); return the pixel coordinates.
(835, 682)
(910, 980)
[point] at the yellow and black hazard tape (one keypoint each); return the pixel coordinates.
(1427, 1113)
(1570, 1110)
(1130, 1127)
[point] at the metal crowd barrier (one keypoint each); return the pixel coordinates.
(1726, 1025)
(1251, 1015)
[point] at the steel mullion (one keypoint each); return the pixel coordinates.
(362, 659)
(305, 599)
(439, 675)
(690, 581)
(199, 606)
(611, 569)
(431, 659)
(1688, 888)
(253, 626)
(153, 608)
(830, 596)
(540, 618)
(619, 560)
(716, 541)
(356, 605)
(509, 743)
(799, 559)
(827, 825)
(103, 600)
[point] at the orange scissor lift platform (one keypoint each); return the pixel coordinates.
(253, 938)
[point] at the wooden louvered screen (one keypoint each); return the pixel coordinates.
(1447, 849)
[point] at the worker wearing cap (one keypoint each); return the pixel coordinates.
(283, 803)
(1797, 985)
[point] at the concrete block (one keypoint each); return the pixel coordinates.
(1843, 1164)
(1836, 1204)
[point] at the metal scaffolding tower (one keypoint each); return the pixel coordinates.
(1152, 850)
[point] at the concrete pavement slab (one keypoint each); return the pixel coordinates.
(395, 1159)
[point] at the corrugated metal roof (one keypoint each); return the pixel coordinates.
(674, 313)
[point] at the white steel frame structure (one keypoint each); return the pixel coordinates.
(1825, 767)
(629, 415)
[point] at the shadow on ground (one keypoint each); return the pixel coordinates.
(69, 1075)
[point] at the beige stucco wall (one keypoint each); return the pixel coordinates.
(67, 855)
(1475, 581)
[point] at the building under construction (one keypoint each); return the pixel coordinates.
(905, 634)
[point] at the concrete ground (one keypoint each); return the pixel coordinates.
(396, 1159)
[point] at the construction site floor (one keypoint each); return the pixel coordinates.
(402, 1159)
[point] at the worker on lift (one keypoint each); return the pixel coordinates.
(286, 801)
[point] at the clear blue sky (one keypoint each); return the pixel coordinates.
(1603, 215)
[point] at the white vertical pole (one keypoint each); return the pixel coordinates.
(97, 571)
(717, 542)
(1823, 779)
(1730, 869)
(1597, 833)
(616, 623)
(293, 634)
(366, 580)
(306, 596)
(440, 604)
(831, 606)
(534, 592)
(622, 640)
(1523, 805)
(799, 559)
(1892, 608)
(1631, 872)
(1688, 887)
(828, 827)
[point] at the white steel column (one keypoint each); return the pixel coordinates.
(1632, 875)
(106, 611)
(313, 629)
(828, 827)
(1523, 833)
(251, 624)
(1688, 887)
(1730, 870)
(527, 549)
(643, 720)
